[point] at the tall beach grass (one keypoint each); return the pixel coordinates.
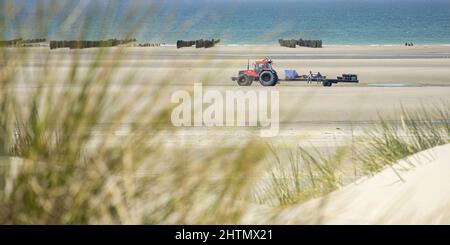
(76, 147)
(307, 174)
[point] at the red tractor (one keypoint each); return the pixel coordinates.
(262, 72)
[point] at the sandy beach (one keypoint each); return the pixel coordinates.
(412, 194)
(398, 65)
(213, 112)
(391, 77)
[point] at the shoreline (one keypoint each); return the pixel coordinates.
(255, 52)
(239, 44)
(47, 44)
(392, 66)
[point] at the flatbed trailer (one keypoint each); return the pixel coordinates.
(291, 75)
(263, 72)
(329, 82)
(325, 81)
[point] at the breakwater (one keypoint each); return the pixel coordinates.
(82, 44)
(198, 43)
(144, 45)
(20, 42)
(293, 43)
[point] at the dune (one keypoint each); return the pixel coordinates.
(415, 190)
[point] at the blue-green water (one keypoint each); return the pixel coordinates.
(236, 21)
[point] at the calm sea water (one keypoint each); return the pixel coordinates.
(237, 21)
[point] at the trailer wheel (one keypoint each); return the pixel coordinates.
(327, 83)
(245, 80)
(268, 78)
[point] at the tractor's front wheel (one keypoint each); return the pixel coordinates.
(245, 80)
(268, 78)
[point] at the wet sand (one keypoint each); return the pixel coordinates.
(390, 77)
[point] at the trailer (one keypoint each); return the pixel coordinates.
(345, 78)
(264, 72)
(292, 75)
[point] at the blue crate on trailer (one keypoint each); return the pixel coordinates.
(290, 74)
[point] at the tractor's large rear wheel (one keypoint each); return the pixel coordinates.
(268, 78)
(245, 80)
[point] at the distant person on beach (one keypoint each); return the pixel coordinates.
(319, 76)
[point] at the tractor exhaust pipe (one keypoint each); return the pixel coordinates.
(248, 65)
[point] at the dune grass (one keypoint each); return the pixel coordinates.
(304, 175)
(413, 132)
(76, 149)
(307, 174)
(63, 159)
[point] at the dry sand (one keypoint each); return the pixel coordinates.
(414, 191)
(391, 77)
(413, 66)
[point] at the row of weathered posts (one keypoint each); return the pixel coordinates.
(198, 43)
(293, 43)
(20, 42)
(149, 45)
(82, 44)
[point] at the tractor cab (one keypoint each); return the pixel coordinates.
(259, 67)
(262, 65)
(262, 71)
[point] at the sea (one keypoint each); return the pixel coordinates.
(234, 22)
